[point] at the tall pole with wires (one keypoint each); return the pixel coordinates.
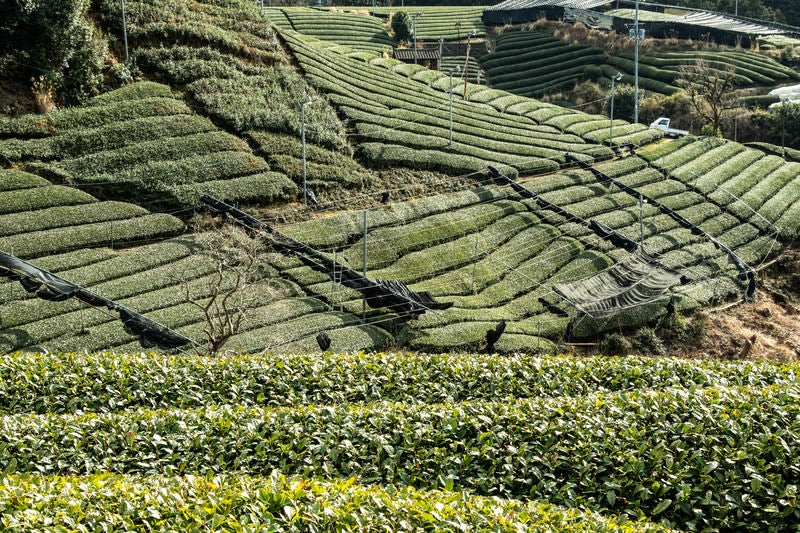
(414, 28)
(452, 70)
(616, 77)
(470, 35)
(636, 64)
(124, 30)
(303, 102)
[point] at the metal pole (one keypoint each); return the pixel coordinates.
(303, 102)
(124, 30)
(736, 9)
(452, 70)
(414, 20)
(364, 300)
(784, 103)
(614, 78)
(262, 7)
(641, 220)
(474, 265)
(636, 65)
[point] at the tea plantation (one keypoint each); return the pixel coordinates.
(486, 202)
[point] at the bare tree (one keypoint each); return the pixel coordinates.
(231, 290)
(710, 91)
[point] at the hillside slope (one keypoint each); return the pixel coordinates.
(228, 125)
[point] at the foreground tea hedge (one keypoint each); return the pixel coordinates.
(81, 382)
(274, 503)
(713, 458)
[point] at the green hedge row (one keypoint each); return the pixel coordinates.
(161, 296)
(369, 85)
(742, 183)
(684, 154)
(771, 185)
(548, 64)
(28, 126)
(93, 266)
(713, 458)
(79, 142)
(536, 81)
(457, 252)
(263, 188)
(241, 105)
(366, 92)
(13, 179)
(143, 228)
(736, 164)
(665, 148)
(172, 66)
(248, 503)
(343, 228)
(760, 68)
(33, 198)
(160, 174)
(439, 21)
(57, 217)
(492, 287)
(712, 158)
(423, 233)
(248, 46)
(470, 159)
(383, 155)
(138, 90)
(518, 44)
(163, 149)
(779, 204)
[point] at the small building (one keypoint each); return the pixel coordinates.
(428, 57)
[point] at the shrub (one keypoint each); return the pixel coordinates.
(616, 344)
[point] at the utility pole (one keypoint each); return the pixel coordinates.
(303, 102)
(636, 36)
(452, 70)
(124, 30)
(614, 78)
(414, 20)
(470, 35)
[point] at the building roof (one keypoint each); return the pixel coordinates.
(426, 54)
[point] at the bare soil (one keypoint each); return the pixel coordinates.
(766, 328)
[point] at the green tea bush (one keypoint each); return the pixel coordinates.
(61, 216)
(133, 91)
(285, 503)
(33, 198)
(80, 142)
(269, 103)
(12, 179)
(145, 227)
(661, 431)
(110, 161)
(390, 155)
(29, 126)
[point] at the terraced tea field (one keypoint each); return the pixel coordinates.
(533, 63)
(523, 201)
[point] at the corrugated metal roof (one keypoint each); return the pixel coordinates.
(527, 4)
(422, 53)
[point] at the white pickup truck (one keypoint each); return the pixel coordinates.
(662, 123)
